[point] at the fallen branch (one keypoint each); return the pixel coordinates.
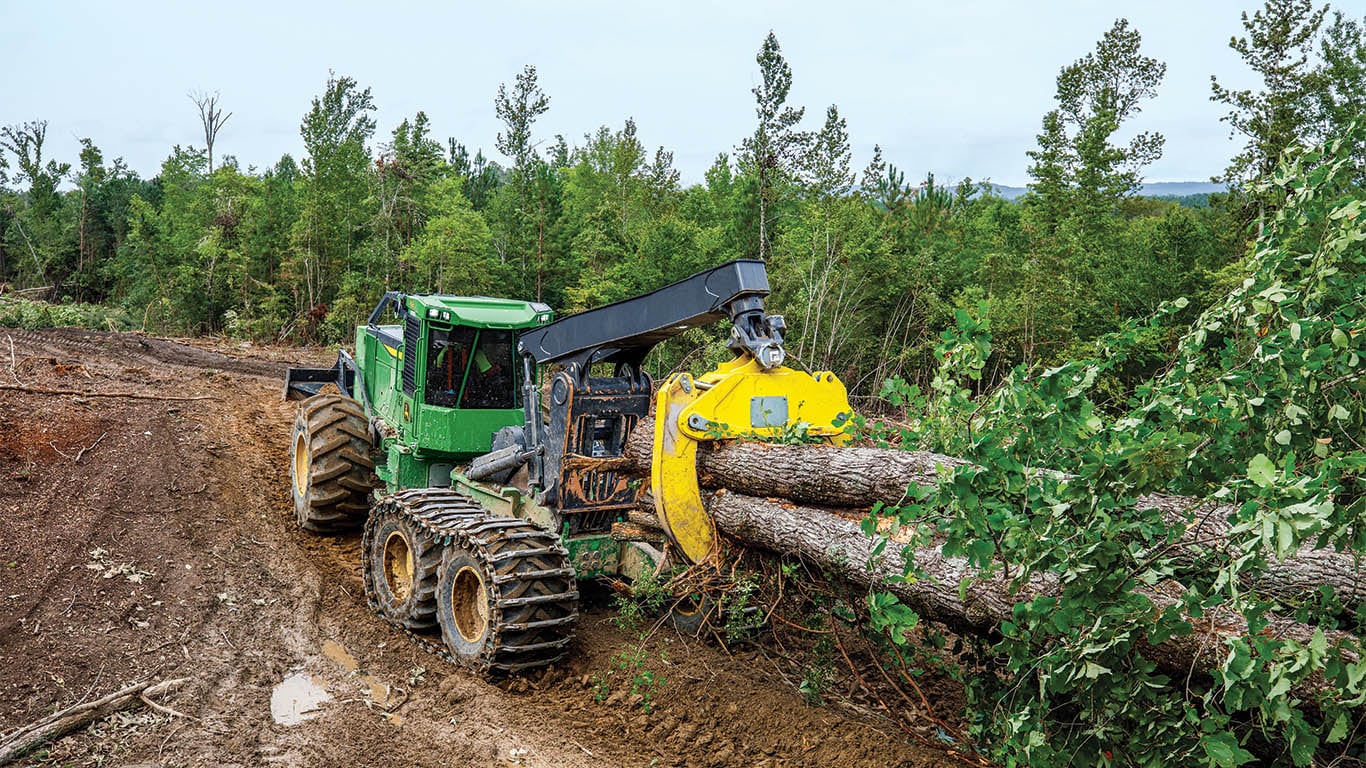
(80, 393)
(73, 718)
(82, 451)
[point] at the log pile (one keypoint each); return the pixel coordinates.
(778, 497)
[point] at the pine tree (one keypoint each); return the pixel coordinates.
(1278, 42)
(772, 153)
(527, 222)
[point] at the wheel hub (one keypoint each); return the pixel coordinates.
(469, 604)
(301, 464)
(398, 566)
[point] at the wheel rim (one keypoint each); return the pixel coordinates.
(301, 464)
(398, 566)
(469, 605)
(688, 606)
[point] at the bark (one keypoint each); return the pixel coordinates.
(861, 477)
(951, 591)
(58, 724)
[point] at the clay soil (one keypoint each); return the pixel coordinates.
(147, 539)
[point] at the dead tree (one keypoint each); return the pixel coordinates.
(211, 117)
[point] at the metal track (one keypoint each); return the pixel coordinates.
(535, 608)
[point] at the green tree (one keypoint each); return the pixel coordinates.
(1342, 82)
(35, 229)
(453, 254)
(482, 178)
(771, 155)
(829, 157)
(89, 181)
(1277, 46)
(526, 215)
(1078, 171)
(335, 184)
(405, 171)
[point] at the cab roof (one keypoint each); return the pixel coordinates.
(481, 311)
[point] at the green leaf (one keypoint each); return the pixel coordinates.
(1339, 338)
(1285, 538)
(1283, 437)
(1261, 471)
(1339, 729)
(1223, 750)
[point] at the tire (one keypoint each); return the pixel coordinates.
(506, 598)
(689, 614)
(401, 565)
(330, 468)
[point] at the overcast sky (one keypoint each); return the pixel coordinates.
(958, 88)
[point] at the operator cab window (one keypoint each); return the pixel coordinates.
(490, 383)
(447, 358)
(480, 360)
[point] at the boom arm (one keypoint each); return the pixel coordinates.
(626, 331)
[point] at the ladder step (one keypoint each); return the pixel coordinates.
(508, 555)
(520, 666)
(533, 647)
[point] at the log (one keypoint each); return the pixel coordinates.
(861, 477)
(58, 724)
(839, 545)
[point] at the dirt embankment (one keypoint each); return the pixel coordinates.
(150, 539)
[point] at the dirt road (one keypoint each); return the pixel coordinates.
(151, 539)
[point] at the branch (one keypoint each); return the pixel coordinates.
(73, 718)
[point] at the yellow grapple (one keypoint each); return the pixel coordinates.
(737, 400)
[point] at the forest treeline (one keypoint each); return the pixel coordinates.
(869, 265)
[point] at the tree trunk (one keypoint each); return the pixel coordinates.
(838, 545)
(861, 477)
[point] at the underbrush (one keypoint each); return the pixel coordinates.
(35, 315)
(817, 631)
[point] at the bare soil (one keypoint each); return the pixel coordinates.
(153, 539)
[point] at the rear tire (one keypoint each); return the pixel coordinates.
(689, 614)
(401, 564)
(506, 597)
(330, 468)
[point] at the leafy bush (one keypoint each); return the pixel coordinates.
(33, 315)
(1262, 409)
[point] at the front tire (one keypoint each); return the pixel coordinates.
(330, 468)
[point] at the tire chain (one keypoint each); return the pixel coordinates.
(453, 519)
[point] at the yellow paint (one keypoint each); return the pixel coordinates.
(722, 399)
(393, 352)
(673, 476)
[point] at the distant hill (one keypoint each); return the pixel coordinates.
(1154, 189)
(1180, 188)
